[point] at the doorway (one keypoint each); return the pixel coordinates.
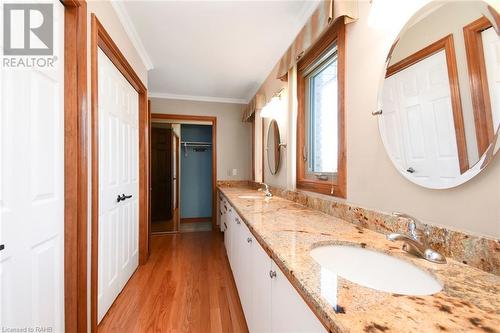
(196, 171)
(119, 159)
(164, 170)
(188, 178)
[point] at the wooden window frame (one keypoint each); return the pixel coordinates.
(253, 147)
(446, 44)
(99, 38)
(478, 82)
(334, 34)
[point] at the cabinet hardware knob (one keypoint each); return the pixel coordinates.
(272, 274)
(249, 240)
(2, 246)
(238, 221)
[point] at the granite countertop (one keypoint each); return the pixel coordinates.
(469, 301)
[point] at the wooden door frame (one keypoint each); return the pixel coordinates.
(177, 142)
(478, 81)
(213, 121)
(446, 44)
(99, 38)
(75, 165)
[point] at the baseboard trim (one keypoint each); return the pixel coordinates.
(196, 219)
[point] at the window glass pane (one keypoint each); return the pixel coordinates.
(322, 117)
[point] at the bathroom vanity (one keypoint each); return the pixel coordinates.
(270, 245)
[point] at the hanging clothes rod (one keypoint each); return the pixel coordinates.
(196, 143)
(198, 146)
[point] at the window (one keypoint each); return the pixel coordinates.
(320, 132)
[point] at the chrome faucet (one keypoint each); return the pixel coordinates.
(416, 242)
(266, 190)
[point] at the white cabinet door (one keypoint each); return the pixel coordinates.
(260, 319)
(236, 249)
(227, 237)
(227, 233)
(246, 271)
(289, 311)
(32, 192)
(118, 175)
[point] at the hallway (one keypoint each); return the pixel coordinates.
(186, 286)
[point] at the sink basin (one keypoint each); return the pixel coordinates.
(376, 270)
(251, 197)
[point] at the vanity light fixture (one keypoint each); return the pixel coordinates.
(273, 106)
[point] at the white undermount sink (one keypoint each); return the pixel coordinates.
(376, 270)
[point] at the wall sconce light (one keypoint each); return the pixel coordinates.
(273, 106)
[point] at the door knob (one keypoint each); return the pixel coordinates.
(123, 197)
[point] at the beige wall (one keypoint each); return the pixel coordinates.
(372, 180)
(234, 137)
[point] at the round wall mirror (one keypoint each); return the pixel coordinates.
(273, 147)
(439, 105)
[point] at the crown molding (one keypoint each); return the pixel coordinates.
(125, 20)
(198, 98)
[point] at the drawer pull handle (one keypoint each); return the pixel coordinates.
(249, 240)
(272, 274)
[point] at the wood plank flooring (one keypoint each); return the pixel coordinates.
(186, 286)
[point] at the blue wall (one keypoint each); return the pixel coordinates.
(196, 173)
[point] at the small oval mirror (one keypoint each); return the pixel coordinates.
(273, 147)
(439, 105)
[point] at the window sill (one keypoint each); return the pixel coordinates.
(321, 187)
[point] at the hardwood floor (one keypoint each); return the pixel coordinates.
(162, 226)
(186, 286)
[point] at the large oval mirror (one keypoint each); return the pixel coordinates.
(439, 107)
(273, 147)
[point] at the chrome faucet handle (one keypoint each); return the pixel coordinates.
(417, 248)
(266, 190)
(413, 230)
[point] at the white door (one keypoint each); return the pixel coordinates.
(32, 192)
(289, 311)
(491, 49)
(118, 175)
(423, 124)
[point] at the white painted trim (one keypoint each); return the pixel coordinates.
(198, 98)
(125, 20)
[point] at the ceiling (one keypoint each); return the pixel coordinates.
(211, 50)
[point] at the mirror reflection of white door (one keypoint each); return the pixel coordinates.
(491, 50)
(32, 192)
(418, 121)
(118, 174)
